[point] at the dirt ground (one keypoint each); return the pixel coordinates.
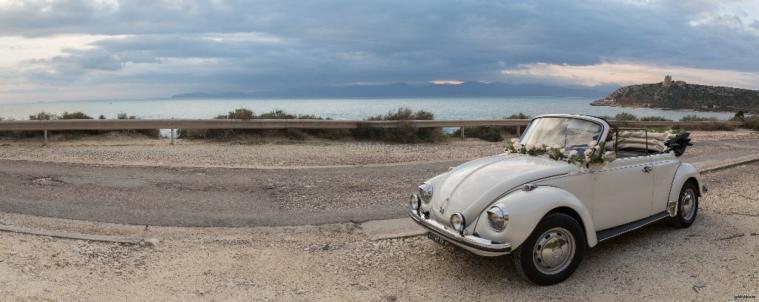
(122, 149)
(715, 259)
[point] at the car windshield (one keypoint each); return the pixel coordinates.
(561, 132)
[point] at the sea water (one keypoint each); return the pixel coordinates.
(343, 108)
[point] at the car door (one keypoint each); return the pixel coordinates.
(664, 167)
(622, 191)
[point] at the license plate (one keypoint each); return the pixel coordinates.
(437, 238)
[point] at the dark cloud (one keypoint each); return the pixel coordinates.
(259, 44)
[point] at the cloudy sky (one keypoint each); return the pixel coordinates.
(65, 50)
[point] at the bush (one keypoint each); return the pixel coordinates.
(713, 123)
(654, 119)
(74, 116)
(751, 122)
(124, 116)
(78, 134)
(247, 114)
(238, 114)
(696, 118)
(43, 116)
(739, 116)
(624, 116)
(518, 116)
(406, 133)
(491, 133)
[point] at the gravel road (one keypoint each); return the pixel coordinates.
(121, 149)
(715, 259)
(98, 187)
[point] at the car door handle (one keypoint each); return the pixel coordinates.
(647, 169)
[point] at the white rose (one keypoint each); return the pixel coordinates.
(593, 143)
(530, 147)
(573, 153)
(588, 152)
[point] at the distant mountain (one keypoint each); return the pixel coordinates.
(680, 95)
(466, 89)
(212, 95)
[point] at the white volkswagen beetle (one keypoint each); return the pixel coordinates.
(560, 191)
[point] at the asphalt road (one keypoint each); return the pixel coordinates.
(208, 196)
(231, 197)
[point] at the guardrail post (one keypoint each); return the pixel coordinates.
(519, 130)
(172, 136)
(45, 135)
(462, 133)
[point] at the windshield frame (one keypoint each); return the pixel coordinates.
(600, 122)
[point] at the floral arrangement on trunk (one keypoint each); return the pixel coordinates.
(591, 155)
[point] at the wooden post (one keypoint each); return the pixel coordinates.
(45, 135)
(172, 136)
(462, 133)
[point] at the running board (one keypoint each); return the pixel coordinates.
(628, 227)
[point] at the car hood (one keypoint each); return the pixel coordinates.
(472, 186)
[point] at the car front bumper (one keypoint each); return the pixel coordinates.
(474, 244)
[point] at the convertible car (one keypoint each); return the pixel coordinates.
(570, 182)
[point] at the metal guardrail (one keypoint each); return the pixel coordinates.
(58, 125)
(55, 125)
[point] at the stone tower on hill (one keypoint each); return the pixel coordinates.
(667, 80)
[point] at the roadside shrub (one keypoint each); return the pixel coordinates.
(518, 116)
(739, 116)
(751, 122)
(491, 133)
(713, 125)
(78, 134)
(247, 114)
(238, 114)
(406, 133)
(624, 116)
(124, 116)
(654, 119)
(43, 116)
(74, 116)
(696, 118)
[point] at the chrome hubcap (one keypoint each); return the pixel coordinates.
(688, 204)
(554, 250)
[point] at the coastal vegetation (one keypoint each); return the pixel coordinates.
(491, 133)
(75, 134)
(406, 133)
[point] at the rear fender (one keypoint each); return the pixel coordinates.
(685, 172)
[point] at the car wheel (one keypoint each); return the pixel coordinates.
(553, 251)
(687, 206)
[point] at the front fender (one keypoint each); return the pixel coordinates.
(527, 208)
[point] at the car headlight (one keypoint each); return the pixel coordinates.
(457, 222)
(425, 192)
(498, 218)
(414, 203)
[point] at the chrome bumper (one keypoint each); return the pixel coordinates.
(472, 243)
